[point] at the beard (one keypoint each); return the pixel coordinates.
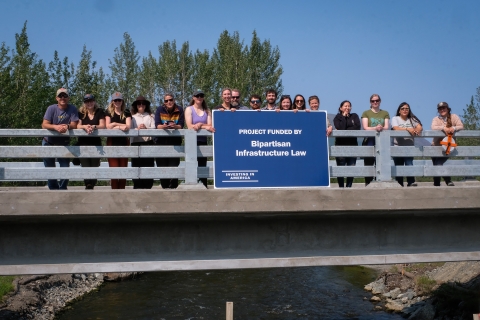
(234, 104)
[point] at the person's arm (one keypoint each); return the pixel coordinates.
(356, 122)
(101, 124)
(61, 128)
(457, 123)
(365, 125)
(437, 124)
(181, 120)
(188, 119)
(127, 125)
(208, 126)
(337, 122)
(109, 124)
(152, 123)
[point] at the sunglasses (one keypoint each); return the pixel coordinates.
(88, 101)
(299, 101)
(235, 97)
(374, 101)
(201, 95)
(405, 109)
(62, 96)
(168, 100)
(117, 100)
(255, 101)
(141, 103)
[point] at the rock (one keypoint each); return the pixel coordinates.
(378, 308)
(375, 299)
(404, 299)
(394, 306)
(387, 295)
(377, 287)
(427, 312)
(395, 293)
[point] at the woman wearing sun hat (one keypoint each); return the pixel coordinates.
(449, 123)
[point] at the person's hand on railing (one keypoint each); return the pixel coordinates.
(329, 131)
(142, 126)
(123, 127)
(379, 128)
(209, 128)
(88, 128)
(61, 128)
(449, 130)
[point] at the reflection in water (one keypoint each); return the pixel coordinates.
(282, 293)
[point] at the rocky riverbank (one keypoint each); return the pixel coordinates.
(428, 290)
(41, 297)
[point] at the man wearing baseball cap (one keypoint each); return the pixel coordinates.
(59, 117)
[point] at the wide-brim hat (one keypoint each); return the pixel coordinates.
(141, 98)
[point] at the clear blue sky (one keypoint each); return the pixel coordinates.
(422, 52)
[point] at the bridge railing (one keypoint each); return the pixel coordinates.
(383, 151)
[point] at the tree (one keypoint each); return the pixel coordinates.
(263, 67)
(167, 75)
(471, 120)
(185, 66)
(202, 75)
(125, 69)
(147, 82)
(60, 73)
(230, 64)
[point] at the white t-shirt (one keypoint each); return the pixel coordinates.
(397, 121)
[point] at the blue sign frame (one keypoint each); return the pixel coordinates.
(270, 149)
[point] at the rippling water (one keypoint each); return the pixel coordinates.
(283, 293)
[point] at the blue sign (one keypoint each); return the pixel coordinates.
(269, 149)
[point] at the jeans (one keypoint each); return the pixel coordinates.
(54, 184)
(407, 161)
(349, 161)
(368, 161)
(202, 162)
(439, 161)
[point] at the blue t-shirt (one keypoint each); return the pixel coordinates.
(55, 115)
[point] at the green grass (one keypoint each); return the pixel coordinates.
(5, 285)
(425, 284)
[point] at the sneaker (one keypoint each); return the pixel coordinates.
(413, 184)
(450, 184)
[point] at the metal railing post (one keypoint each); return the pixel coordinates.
(383, 170)
(191, 163)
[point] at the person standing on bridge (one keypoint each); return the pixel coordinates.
(314, 103)
(449, 123)
(117, 117)
(237, 100)
(405, 120)
(227, 101)
(91, 118)
(198, 116)
(271, 97)
(285, 103)
(59, 117)
(142, 118)
(345, 120)
(169, 116)
(373, 119)
(299, 103)
(255, 102)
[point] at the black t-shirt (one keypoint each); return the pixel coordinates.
(91, 141)
(119, 141)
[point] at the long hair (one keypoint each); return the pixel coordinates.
(410, 115)
(147, 109)
(111, 109)
(204, 104)
(83, 109)
(304, 102)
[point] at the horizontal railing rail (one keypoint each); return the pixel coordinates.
(383, 151)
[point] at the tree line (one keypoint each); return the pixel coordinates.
(28, 83)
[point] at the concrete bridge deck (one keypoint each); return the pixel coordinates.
(151, 230)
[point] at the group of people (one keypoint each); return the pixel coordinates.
(377, 119)
(90, 117)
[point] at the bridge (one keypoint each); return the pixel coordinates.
(82, 231)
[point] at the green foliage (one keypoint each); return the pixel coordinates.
(125, 69)
(425, 284)
(6, 285)
(471, 120)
